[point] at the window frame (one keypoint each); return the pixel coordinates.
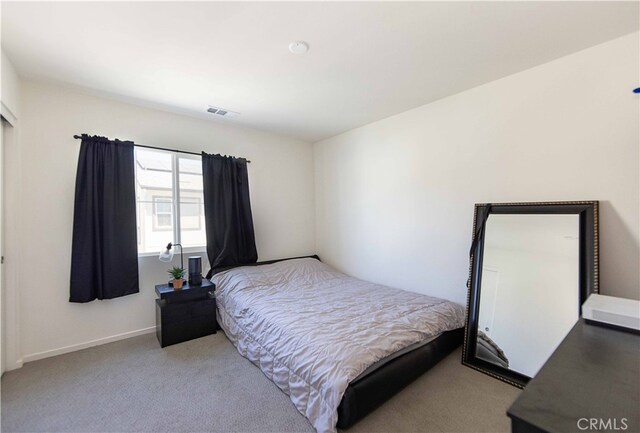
(175, 203)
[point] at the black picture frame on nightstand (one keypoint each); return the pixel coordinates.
(185, 314)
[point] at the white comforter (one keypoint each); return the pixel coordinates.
(312, 330)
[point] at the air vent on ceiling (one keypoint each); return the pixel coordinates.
(222, 112)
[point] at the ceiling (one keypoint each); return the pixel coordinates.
(367, 60)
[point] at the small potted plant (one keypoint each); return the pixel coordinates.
(177, 273)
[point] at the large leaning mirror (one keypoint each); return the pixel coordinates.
(532, 267)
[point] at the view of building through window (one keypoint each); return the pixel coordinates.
(169, 200)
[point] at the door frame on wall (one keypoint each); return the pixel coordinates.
(2, 296)
(10, 350)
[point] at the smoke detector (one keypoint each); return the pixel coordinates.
(298, 47)
(222, 112)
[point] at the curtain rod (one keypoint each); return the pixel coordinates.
(79, 137)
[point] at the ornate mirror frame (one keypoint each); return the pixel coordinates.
(588, 270)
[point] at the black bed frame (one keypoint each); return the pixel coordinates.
(364, 395)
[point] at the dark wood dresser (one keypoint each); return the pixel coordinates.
(185, 314)
(590, 383)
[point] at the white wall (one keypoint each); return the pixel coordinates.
(395, 198)
(281, 185)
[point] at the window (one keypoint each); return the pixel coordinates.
(163, 213)
(192, 213)
(169, 200)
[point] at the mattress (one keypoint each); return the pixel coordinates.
(313, 330)
(376, 365)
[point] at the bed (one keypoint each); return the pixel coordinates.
(337, 345)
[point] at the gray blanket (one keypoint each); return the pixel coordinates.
(312, 330)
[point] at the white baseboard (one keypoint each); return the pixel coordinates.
(98, 342)
(12, 365)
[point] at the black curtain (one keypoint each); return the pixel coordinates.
(227, 212)
(104, 257)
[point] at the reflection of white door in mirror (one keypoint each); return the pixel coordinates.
(488, 299)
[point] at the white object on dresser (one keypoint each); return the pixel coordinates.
(621, 312)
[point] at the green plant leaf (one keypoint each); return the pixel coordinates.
(176, 272)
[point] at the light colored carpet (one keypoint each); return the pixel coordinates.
(204, 385)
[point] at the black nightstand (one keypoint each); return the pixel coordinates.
(185, 314)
